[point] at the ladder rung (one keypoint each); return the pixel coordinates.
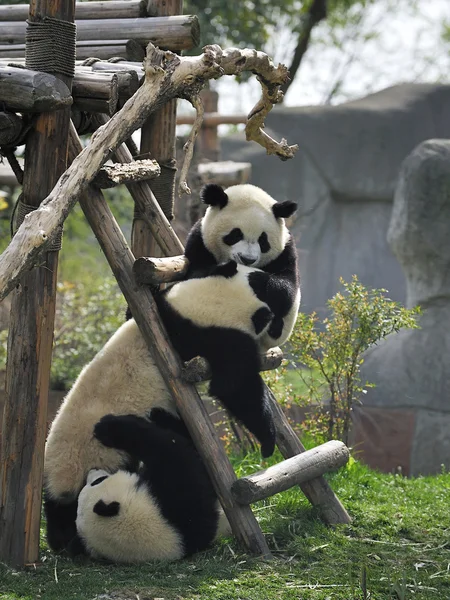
(292, 471)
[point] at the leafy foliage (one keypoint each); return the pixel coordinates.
(332, 350)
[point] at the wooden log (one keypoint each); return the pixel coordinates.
(213, 119)
(298, 469)
(128, 84)
(96, 92)
(23, 90)
(185, 395)
(158, 140)
(225, 172)
(30, 341)
(147, 205)
(154, 271)
(176, 33)
(7, 176)
(112, 175)
(111, 9)
(115, 67)
(11, 126)
(209, 144)
(318, 491)
(197, 369)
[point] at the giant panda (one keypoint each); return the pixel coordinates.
(165, 511)
(241, 296)
(123, 378)
(246, 225)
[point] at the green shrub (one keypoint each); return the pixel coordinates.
(332, 351)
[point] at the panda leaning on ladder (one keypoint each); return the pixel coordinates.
(241, 297)
(123, 378)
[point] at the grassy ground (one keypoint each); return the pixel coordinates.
(398, 547)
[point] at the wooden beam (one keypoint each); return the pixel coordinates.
(11, 126)
(298, 469)
(154, 271)
(23, 90)
(212, 119)
(185, 395)
(111, 9)
(24, 426)
(176, 33)
(96, 92)
(158, 137)
(139, 170)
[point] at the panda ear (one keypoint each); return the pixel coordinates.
(107, 510)
(284, 209)
(214, 195)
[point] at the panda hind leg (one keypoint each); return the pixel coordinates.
(60, 522)
(236, 382)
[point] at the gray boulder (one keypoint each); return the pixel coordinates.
(411, 368)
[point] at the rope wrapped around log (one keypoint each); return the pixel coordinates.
(50, 46)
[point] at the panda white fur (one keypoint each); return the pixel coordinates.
(164, 512)
(123, 379)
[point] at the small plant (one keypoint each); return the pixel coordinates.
(332, 349)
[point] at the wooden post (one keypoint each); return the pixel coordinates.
(30, 340)
(209, 147)
(157, 141)
(188, 402)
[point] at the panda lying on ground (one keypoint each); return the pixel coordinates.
(242, 225)
(165, 511)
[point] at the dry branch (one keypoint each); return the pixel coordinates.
(167, 76)
(118, 173)
(188, 147)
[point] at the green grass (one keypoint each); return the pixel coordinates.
(397, 547)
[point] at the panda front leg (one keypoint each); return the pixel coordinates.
(137, 436)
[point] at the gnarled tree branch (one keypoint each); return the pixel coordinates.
(167, 76)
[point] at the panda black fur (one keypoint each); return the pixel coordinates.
(164, 512)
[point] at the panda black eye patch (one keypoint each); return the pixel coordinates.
(233, 237)
(263, 242)
(99, 480)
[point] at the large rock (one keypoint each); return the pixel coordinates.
(411, 368)
(344, 176)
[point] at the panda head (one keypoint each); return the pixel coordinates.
(245, 224)
(119, 520)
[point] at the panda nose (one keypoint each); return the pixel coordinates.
(245, 260)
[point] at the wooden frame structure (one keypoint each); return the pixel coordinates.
(51, 141)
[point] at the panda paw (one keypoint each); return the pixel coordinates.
(110, 431)
(258, 281)
(228, 269)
